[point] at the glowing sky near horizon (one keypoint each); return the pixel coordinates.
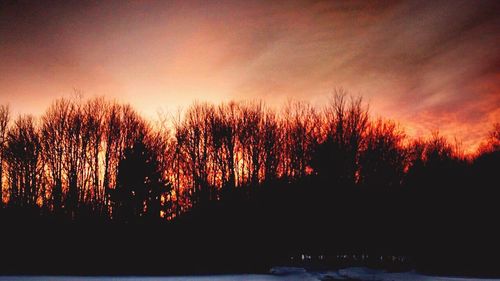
(431, 65)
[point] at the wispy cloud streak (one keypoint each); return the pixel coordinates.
(429, 64)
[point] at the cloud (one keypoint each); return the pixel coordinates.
(432, 64)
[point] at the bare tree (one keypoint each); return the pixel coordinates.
(383, 159)
(299, 126)
(23, 154)
(74, 149)
(250, 141)
(271, 133)
(227, 116)
(492, 142)
(4, 121)
(345, 123)
(159, 141)
(55, 124)
(178, 164)
(112, 131)
(93, 115)
(196, 128)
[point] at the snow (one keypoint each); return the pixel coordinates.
(239, 277)
(285, 270)
(276, 274)
(366, 274)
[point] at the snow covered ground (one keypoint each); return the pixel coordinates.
(278, 274)
(361, 273)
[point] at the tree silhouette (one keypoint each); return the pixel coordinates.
(24, 155)
(337, 153)
(139, 185)
(271, 135)
(4, 121)
(487, 161)
(383, 159)
(54, 130)
(72, 159)
(240, 165)
(94, 114)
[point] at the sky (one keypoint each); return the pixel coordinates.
(430, 65)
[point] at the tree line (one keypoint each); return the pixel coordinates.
(99, 158)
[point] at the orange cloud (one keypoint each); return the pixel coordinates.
(430, 65)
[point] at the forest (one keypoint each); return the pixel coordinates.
(237, 186)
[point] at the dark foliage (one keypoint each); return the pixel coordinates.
(238, 187)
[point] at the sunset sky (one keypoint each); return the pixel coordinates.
(427, 64)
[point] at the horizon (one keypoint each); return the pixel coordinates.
(162, 118)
